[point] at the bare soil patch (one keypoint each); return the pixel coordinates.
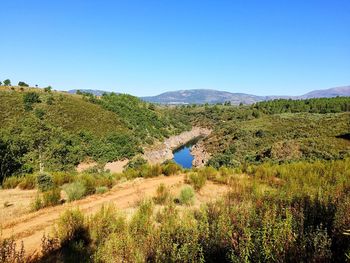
(30, 227)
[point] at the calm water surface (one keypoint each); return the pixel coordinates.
(183, 156)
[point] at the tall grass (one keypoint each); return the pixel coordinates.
(294, 212)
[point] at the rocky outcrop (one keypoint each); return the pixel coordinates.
(164, 151)
(201, 156)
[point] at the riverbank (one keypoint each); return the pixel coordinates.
(164, 151)
(200, 155)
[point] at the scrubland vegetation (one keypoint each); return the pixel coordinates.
(277, 131)
(297, 212)
(77, 186)
(286, 164)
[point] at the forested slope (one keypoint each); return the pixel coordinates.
(58, 130)
(279, 130)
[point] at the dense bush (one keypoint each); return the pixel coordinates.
(70, 226)
(196, 179)
(74, 191)
(208, 172)
(44, 182)
(162, 195)
(136, 163)
(11, 182)
(52, 197)
(295, 212)
(37, 203)
(29, 98)
(28, 181)
(222, 160)
(186, 196)
(170, 168)
(101, 189)
(49, 198)
(61, 178)
(22, 84)
(73, 235)
(152, 171)
(318, 105)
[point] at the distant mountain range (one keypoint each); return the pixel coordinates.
(328, 93)
(202, 96)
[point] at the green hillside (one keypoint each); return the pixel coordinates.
(59, 130)
(69, 112)
(278, 131)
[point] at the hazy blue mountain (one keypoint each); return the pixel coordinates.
(328, 93)
(202, 96)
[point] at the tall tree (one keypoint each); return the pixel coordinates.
(7, 82)
(22, 84)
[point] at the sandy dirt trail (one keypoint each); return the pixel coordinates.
(31, 227)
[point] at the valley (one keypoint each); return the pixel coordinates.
(73, 166)
(175, 132)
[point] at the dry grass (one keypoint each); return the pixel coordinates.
(15, 202)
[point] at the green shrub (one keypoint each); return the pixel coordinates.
(170, 168)
(107, 180)
(11, 182)
(152, 171)
(179, 238)
(208, 172)
(27, 182)
(224, 171)
(101, 189)
(61, 178)
(49, 198)
(71, 227)
(223, 159)
(186, 195)
(106, 221)
(89, 182)
(142, 224)
(197, 180)
(131, 173)
(29, 99)
(162, 194)
(52, 197)
(136, 162)
(320, 246)
(119, 247)
(37, 203)
(44, 182)
(75, 191)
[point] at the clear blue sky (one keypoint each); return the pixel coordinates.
(147, 47)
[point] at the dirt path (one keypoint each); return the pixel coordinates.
(31, 227)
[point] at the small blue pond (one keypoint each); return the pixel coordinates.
(183, 156)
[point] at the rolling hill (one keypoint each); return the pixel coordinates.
(202, 96)
(328, 93)
(60, 130)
